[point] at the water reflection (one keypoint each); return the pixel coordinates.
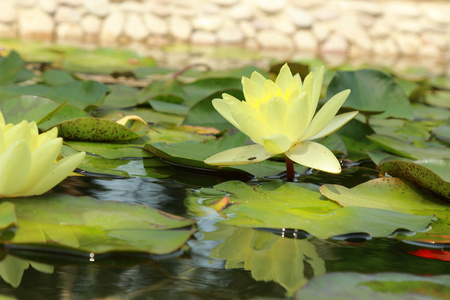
(163, 195)
(268, 257)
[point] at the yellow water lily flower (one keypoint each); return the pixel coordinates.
(280, 117)
(28, 160)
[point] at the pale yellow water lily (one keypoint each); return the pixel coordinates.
(28, 163)
(280, 117)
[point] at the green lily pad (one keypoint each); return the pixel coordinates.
(84, 95)
(372, 92)
(88, 225)
(442, 133)
(204, 114)
(193, 153)
(177, 134)
(202, 88)
(438, 99)
(111, 150)
(104, 60)
(30, 108)
(121, 96)
(430, 174)
(54, 77)
(394, 194)
(403, 148)
(94, 129)
(99, 166)
(13, 69)
(296, 206)
(389, 286)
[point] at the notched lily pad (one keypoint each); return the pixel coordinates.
(431, 174)
(299, 206)
(94, 129)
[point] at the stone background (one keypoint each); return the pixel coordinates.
(411, 28)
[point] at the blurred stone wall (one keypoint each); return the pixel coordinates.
(379, 27)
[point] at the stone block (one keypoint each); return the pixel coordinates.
(35, 24)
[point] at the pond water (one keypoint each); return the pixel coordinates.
(192, 273)
(221, 261)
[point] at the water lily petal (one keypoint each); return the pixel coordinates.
(276, 143)
(57, 173)
(221, 106)
(248, 124)
(312, 86)
(270, 90)
(314, 155)
(2, 120)
(18, 132)
(336, 123)
(15, 166)
(275, 114)
(42, 159)
(297, 118)
(325, 114)
(258, 78)
(294, 88)
(239, 156)
(284, 78)
(252, 91)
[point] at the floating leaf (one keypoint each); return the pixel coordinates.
(372, 92)
(30, 108)
(204, 114)
(296, 206)
(13, 70)
(192, 154)
(430, 174)
(94, 129)
(438, 99)
(54, 77)
(111, 150)
(403, 148)
(104, 60)
(89, 225)
(394, 194)
(81, 94)
(389, 286)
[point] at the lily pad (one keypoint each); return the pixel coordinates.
(111, 150)
(104, 60)
(193, 153)
(88, 225)
(372, 92)
(204, 114)
(406, 149)
(13, 69)
(30, 108)
(94, 129)
(430, 174)
(393, 194)
(297, 206)
(389, 286)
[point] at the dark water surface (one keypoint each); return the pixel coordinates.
(192, 273)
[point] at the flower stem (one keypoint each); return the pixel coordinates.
(289, 169)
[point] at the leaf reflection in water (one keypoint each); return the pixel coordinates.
(269, 257)
(12, 268)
